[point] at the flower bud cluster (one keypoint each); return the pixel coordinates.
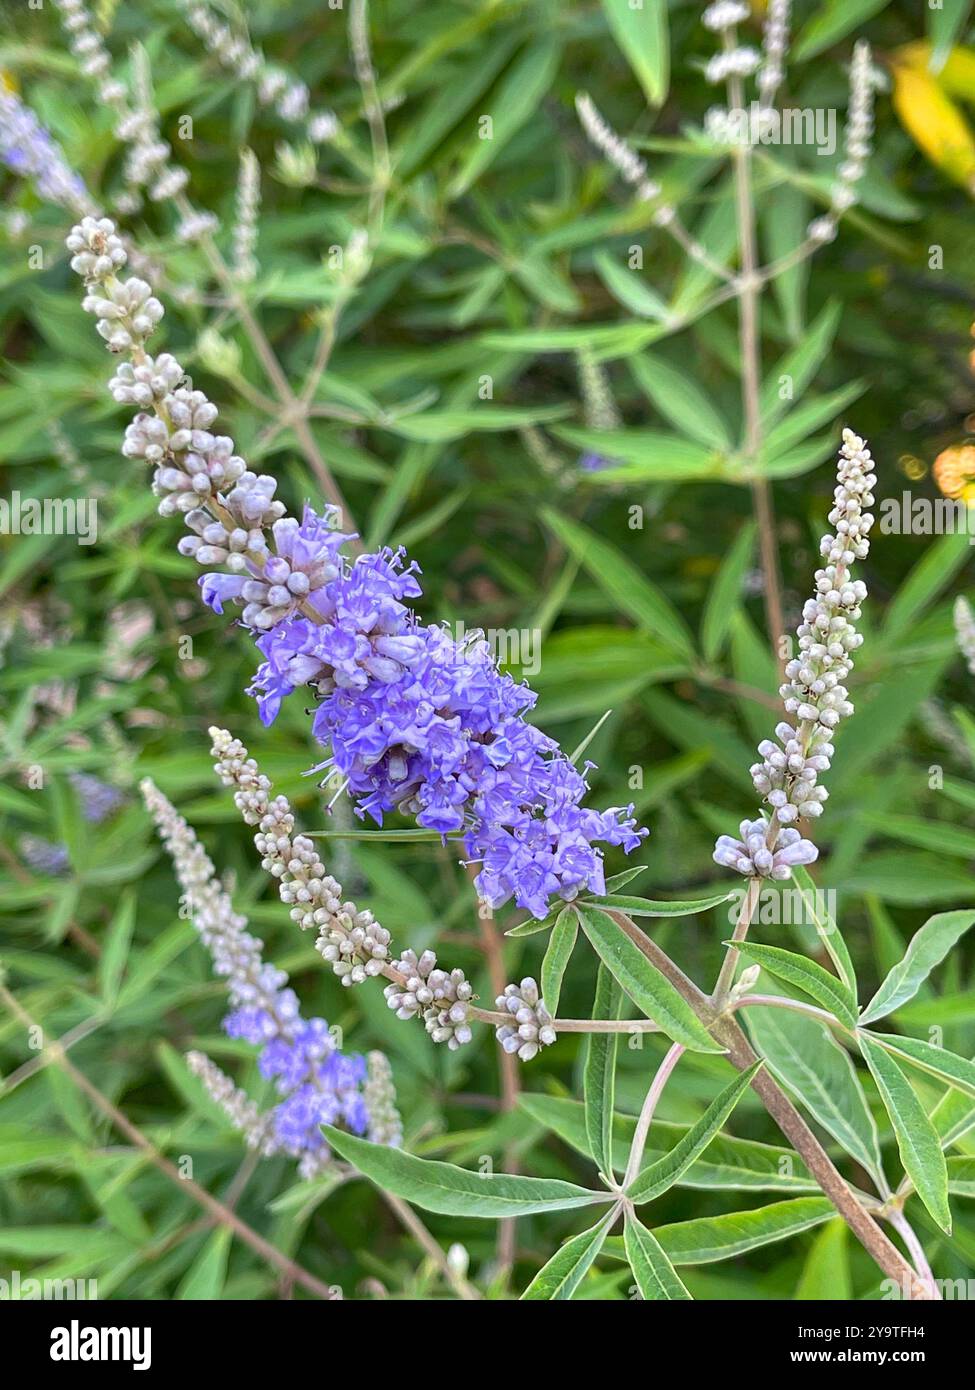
(814, 694)
(288, 95)
(775, 44)
(351, 940)
(531, 1027)
(441, 999)
(965, 631)
(856, 146)
(243, 1114)
(379, 1094)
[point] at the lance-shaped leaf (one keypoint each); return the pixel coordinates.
(599, 1074)
(936, 1061)
(643, 982)
(917, 1139)
(829, 992)
(728, 1164)
(710, 1238)
(649, 907)
(565, 1271)
(655, 1276)
(641, 32)
(814, 905)
(806, 1058)
(556, 958)
(451, 1191)
(927, 949)
(623, 582)
(664, 1172)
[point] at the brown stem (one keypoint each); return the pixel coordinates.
(725, 1030)
(749, 291)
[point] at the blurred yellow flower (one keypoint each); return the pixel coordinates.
(954, 471)
(930, 116)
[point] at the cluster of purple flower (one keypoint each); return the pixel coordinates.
(30, 151)
(317, 1083)
(416, 721)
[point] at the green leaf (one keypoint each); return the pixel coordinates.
(116, 949)
(650, 907)
(808, 1061)
(659, 1176)
(940, 836)
(620, 880)
(805, 974)
(643, 982)
(805, 417)
(796, 369)
(453, 1191)
(917, 1139)
(814, 909)
(945, 22)
(933, 572)
(784, 215)
(205, 1278)
(826, 1273)
(947, 1066)
(556, 958)
(565, 1271)
(599, 1074)
(655, 1276)
(725, 594)
(831, 22)
(518, 94)
(961, 1177)
(641, 32)
(680, 401)
(622, 582)
(711, 1238)
(629, 288)
(927, 949)
(645, 456)
(732, 1165)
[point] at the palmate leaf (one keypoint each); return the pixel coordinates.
(658, 1176)
(599, 1074)
(829, 992)
(452, 1191)
(565, 1271)
(655, 1276)
(917, 1140)
(727, 1164)
(645, 985)
(805, 1058)
(927, 948)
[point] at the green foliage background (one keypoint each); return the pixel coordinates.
(498, 259)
